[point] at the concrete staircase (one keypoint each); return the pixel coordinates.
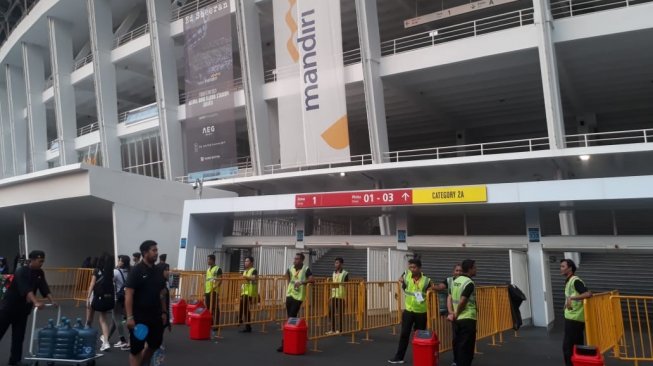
(355, 262)
(493, 266)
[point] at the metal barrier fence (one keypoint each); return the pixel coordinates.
(188, 285)
(602, 329)
(632, 325)
(494, 316)
(69, 283)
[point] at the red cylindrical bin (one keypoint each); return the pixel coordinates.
(200, 324)
(190, 308)
(295, 336)
(178, 311)
(425, 348)
(587, 356)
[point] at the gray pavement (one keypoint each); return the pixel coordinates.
(533, 347)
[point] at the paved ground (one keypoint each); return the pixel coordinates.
(534, 347)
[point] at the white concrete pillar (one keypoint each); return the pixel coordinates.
(34, 67)
(6, 145)
(16, 99)
(370, 46)
(568, 228)
(166, 86)
(61, 56)
(106, 98)
(549, 72)
(541, 297)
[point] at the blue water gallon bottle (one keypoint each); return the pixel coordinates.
(65, 342)
(86, 341)
(46, 340)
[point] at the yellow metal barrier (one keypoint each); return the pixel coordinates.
(601, 327)
(494, 316)
(334, 309)
(190, 285)
(632, 325)
(69, 283)
(382, 305)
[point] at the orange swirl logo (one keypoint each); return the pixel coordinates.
(292, 26)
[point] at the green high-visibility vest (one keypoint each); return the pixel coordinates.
(416, 292)
(250, 287)
(459, 285)
(296, 276)
(577, 311)
(339, 292)
(211, 275)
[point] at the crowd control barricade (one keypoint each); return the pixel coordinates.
(334, 309)
(633, 316)
(69, 283)
(493, 316)
(187, 285)
(602, 328)
(382, 306)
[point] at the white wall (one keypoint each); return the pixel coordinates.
(133, 226)
(66, 243)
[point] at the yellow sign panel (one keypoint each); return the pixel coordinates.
(449, 195)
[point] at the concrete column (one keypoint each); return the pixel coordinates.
(251, 61)
(34, 67)
(16, 99)
(6, 149)
(568, 228)
(549, 71)
(370, 45)
(106, 98)
(541, 298)
(165, 84)
(61, 56)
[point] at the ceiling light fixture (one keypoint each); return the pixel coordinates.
(584, 157)
(342, 174)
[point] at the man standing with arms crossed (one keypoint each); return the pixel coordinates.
(145, 303)
(463, 299)
(575, 293)
(415, 286)
(248, 294)
(338, 295)
(212, 288)
(298, 276)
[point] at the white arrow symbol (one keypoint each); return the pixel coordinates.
(405, 196)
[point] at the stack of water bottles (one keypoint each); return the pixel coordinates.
(64, 342)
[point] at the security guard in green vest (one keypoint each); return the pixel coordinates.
(463, 301)
(575, 293)
(415, 286)
(248, 293)
(212, 288)
(298, 277)
(338, 296)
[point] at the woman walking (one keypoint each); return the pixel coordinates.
(119, 316)
(102, 297)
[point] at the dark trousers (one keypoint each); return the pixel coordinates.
(292, 307)
(16, 317)
(464, 341)
(336, 313)
(409, 321)
(211, 302)
(243, 314)
(574, 334)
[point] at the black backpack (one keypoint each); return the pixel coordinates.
(104, 298)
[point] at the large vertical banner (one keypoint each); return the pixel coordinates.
(310, 70)
(210, 127)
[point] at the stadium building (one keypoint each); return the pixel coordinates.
(514, 132)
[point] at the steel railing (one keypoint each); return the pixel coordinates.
(53, 145)
(122, 117)
(190, 8)
(356, 160)
(473, 28)
(351, 57)
(570, 8)
(85, 130)
(81, 62)
(610, 138)
(131, 35)
(243, 163)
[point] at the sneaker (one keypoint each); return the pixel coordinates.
(105, 347)
(102, 339)
(120, 344)
(394, 360)
(126, 347)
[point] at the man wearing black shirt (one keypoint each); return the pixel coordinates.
(19, 300)
(145, 302)
(575, 293)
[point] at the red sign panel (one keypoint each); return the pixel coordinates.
(393, 197)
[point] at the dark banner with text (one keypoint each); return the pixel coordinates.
(210, 126)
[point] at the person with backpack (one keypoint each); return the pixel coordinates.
(120, 275)
(17, 301)
(102, 296)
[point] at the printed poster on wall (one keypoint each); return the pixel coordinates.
(210, 126)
